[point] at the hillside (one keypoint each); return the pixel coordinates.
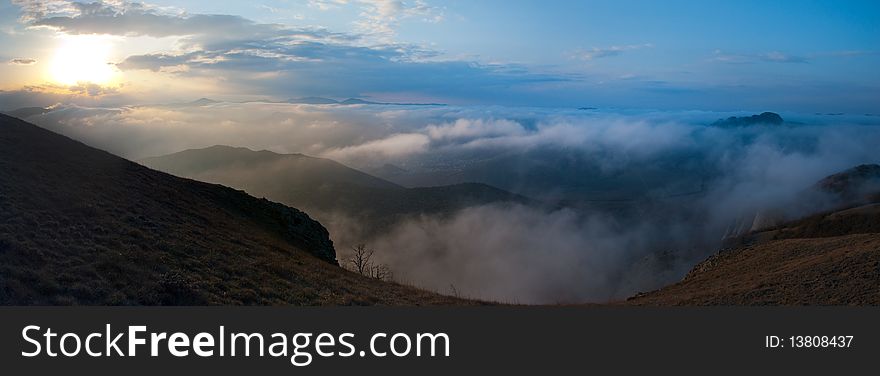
(324, 187)
(856, 184)
(830, 258)
(81, 226)
(241, 165)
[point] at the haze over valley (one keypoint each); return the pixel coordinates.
(535, 206)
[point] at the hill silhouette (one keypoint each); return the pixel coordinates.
(769, 118)
(26, 112)
(320, 185)
(82, 226)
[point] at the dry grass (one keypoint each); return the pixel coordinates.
(826, 259)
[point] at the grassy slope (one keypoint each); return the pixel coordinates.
(825, 259)
(81, 226)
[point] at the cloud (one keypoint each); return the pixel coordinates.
(394, 146)
(333, 69)
(464, 129)
(139, 19)
(767, 57)
(378, 18)
(779, 57)
(92, 89)
(33, 10)
(50, 94)
(381, 17)
(602, 52)
(520, 254)
(22, 61)
(266, 59)
(327, 4)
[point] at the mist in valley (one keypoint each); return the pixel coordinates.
(619, 201)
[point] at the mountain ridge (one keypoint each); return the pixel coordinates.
(81, 226)
(326, 187)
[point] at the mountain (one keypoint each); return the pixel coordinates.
(769, 118)
(829, 258)
(325, 187)
(27, 112)
(240, 166)
(202, 102)
(580, 179)
(358, 101)
(388, 171)
(312, 100)
(856, 184)
(82, 226)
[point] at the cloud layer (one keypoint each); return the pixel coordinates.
(646, 194)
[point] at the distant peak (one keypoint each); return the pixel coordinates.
(203, 101)
(770, 118)
(357, 101)
(312, 100)
(223, 147)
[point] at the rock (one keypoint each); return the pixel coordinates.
(302, 230)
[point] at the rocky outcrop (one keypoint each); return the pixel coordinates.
(291, 224)
(304, 232)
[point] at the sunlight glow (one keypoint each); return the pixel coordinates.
(82, 59)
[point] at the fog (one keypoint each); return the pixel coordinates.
(678, 185)
(520, 254)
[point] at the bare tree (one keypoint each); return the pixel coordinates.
(381, 272)
(360, 259)
(454, 290)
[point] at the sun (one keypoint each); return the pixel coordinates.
(82, 59)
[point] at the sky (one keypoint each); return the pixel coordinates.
(809, 56)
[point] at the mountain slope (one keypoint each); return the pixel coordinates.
(840, 270)
(829, 258)
(27, 112)
(81, 226)
(324, 187)
(242, 165)
(856, 184)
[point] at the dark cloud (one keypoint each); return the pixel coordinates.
(317, 68)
